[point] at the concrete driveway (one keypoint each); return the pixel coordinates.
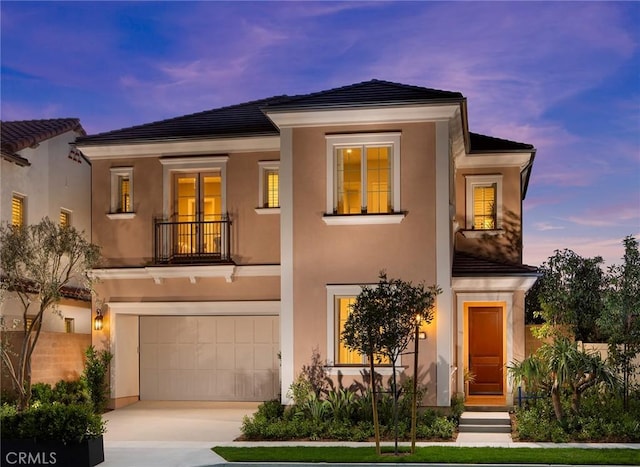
(171, 434)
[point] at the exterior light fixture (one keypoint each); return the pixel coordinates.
(97, 321)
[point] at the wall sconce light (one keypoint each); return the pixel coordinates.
(422, 335)
(97, 321)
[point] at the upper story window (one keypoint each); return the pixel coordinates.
(484, 202)
(18, 210)
(65, 218)
(122, 191)
(363, 178)
(269, 186)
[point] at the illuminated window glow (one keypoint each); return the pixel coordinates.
(17, 210)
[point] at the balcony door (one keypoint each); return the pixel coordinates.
(198, 213)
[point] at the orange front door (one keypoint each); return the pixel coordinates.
(485, 350)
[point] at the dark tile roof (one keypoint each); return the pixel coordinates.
(18, 135)
(249, 119)
(465, 264)
(368, 93)
(482, 143)
(233, 121)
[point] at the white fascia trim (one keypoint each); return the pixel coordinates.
(229, 272)
(187, 163)
(267, 210)
(242, 308)
(361, 370)
(206, 146)
(355, 116)
(363, 219)
(444, 302)
(479, 161)
(496, 283)
(257, 271)
(287, 369)
(121, 215)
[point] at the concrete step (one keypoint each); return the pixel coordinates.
(484, 428)
(485, 422)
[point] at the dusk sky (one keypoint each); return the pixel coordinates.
(563, 76)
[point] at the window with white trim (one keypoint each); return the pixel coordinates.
(363, 175)
(269, 184)
(122, 190)
(484, 202)
(18, 203)
(340, 299)
(65, 218)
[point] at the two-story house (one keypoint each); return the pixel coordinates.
(236, 239)
(43, 175)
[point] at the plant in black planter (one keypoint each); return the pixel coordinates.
(52, 434)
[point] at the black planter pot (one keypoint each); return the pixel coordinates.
(25, 452)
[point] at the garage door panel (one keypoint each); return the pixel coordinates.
(206, 357)
(225, 356)
(263, 357)
(206, 330)
(244, 357)
(228, 358)
(187, 356)
(244, 334)
(225, 331)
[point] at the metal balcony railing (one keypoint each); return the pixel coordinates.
(192, 242)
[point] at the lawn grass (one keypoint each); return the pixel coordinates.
(439, 454)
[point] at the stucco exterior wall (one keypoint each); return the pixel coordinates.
(507, 245)
(52, 181)
(355, 255)
(129, 242)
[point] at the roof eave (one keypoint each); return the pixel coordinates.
(16, 159)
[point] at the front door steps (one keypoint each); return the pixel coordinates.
(485, 422)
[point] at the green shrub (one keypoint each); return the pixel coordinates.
(42, 392)
(271, 410)
(602, 418)
(71, 392)
(95, 372)
(42, 422)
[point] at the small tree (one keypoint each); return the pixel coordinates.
(38, 262)
(381, 325)
(570, 294)
(621, 314)
(560, 366)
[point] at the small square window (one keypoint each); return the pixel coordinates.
(484, 202)
(269, 185)
(18, 210)
(122, 190)
(69, 325)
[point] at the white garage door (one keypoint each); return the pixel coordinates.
(218, 358)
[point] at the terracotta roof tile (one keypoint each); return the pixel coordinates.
(21, 134)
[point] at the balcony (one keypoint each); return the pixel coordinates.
(193, 242)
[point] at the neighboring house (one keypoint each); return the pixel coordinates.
(236, 238)
(43, 175)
